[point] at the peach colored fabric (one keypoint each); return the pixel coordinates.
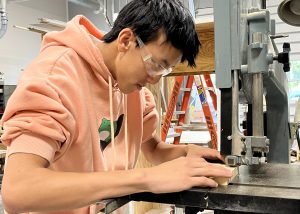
(62, 99)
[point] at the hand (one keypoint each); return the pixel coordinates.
(203, 152)
(184, 173)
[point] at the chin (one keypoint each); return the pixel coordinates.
(128, 88)
(125, 90)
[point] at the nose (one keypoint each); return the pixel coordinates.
(153, 79)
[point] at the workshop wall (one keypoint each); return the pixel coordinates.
(283, 28)
(19, 47)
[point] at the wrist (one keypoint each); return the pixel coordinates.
(143, 179)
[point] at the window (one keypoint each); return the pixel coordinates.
(294, 80)
(294, 86)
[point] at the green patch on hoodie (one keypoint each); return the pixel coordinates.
(105, 133)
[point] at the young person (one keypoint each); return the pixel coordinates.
(80, 115)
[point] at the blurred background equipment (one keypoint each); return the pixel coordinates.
(289, 12)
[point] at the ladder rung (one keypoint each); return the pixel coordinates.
(198, 123)
(173, 135)
(185, 89)
(179, 112)
(193, 125)
(187, 128)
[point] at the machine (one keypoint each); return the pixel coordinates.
(250, 71)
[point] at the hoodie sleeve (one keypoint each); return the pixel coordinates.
(36, 121)
(150, 116)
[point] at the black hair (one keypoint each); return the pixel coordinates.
(147, 17)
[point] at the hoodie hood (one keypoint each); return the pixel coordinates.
(81, 31)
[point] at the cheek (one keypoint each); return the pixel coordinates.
(131, 72)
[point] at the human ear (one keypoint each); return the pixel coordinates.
(125, 39)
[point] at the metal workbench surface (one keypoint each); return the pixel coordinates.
(269, 188)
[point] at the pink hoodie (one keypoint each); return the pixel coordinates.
(60, 109)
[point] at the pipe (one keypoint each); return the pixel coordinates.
(257, 105)
(109, 22)
(3, 18)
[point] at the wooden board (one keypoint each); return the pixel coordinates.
(205, 61)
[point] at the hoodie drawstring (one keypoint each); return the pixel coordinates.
(112, 130)
(112, 126)
(126, 131)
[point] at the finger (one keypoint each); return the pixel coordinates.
(219, 161)
(212, 172)
(197, 162)
(204, 151)
(204, 182)
(213, 157)
(200, 163)
(211, 154)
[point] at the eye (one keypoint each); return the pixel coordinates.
(155, 65)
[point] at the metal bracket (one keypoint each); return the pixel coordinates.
(233, 160)
(259, 31)
(255, 144)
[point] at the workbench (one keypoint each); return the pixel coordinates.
(267, 188)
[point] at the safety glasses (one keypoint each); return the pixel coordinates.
(153, 67)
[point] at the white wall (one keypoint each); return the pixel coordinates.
(283, 28)
(19, 47)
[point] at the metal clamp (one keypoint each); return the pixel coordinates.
(233, 160)
(255, 144)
